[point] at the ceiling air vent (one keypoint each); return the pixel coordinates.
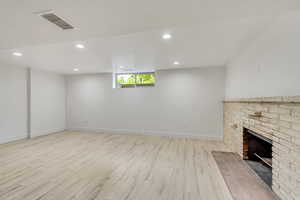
(57, 21)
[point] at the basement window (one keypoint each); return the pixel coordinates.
(133, 80)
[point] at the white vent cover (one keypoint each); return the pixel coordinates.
(58, 21)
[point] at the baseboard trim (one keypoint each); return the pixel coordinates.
(149, 133)
(47, 132)
(12, 139)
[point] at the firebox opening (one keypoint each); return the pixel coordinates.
(258, 154)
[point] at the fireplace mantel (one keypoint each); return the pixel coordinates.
(266, 100)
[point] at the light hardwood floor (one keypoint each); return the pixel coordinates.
(85, 166)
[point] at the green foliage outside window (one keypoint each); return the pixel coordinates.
(145, 78)
(126, 79)
(137, 79)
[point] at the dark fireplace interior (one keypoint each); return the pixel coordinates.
(258, 154)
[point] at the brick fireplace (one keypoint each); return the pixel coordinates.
(276, 120)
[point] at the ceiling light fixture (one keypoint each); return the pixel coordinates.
(176, 63)
(17, 54)
(75, 69)
(167, 36)
(80, 46)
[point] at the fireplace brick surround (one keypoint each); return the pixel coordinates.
(276, 118)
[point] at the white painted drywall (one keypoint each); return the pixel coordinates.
(13, 103)
(270, 66)
(183, 103)
(48, 103)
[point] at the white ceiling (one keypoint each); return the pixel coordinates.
(128, 32)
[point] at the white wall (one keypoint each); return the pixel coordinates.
(271, 65)
(183, 103)
(48, 103)
(13, 103)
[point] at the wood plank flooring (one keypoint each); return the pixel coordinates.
(242, 181)
(94, 166)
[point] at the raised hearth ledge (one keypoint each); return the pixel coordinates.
(281, 100)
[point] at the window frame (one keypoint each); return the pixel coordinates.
(135, 85)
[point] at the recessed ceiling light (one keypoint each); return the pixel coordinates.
(75, 69)
(17, 54)
(80, 46)
(176, 63)
(167, 36)
(122, 67)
